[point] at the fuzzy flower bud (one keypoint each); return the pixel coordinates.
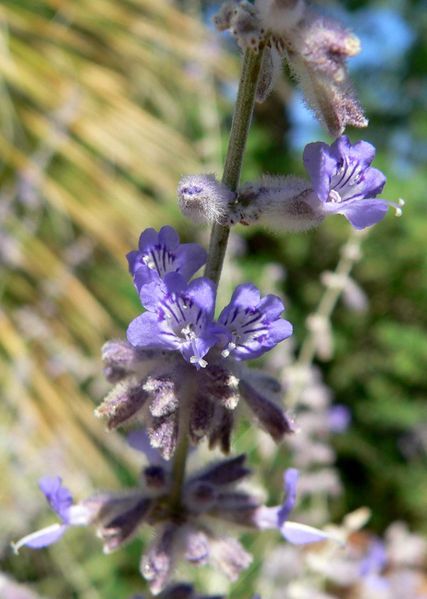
(202, 198)
(317, 53)
(279, 16)
(241, 17)
(271, 68)
(285, 203)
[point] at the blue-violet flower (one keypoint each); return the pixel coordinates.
(179, 317)
(345, 183)
(255, 324)
(161, 253)
(61, 502)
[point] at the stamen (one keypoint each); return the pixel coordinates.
(200, 361)
(148, 261)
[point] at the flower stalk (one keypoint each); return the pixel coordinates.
(236, 146)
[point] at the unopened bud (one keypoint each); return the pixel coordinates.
(271, 67)
(280, 16)
(222, 19)
(122, 403)
(246, 26)
(203, 199)
(285, 203)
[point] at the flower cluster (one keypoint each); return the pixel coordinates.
(209, 496)
(179, 358)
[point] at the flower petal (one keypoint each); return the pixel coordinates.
(58, 497)
(301, 534)
(41, 538)
(363, 213)
(148, 331)
(290, 479)
(320, 164)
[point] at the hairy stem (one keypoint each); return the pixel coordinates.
(180, 460)
(219, 236)
(233, 162)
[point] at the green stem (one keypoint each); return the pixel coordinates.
(233, 162)
(180, 461)
(219, 236)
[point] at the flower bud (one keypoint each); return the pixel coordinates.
(270, 416)
(246, 26)
(271, 67)
(279, 16)
(222, 20)
(285, 203)
(122, 403)
(203, 199)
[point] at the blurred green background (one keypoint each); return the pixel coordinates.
(104, 105)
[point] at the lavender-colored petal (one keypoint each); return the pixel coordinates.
(203, 292)
(301, 534)
(372, 181)
(243, 296)
(363, 213)
(290, 479)
(169, 238)
(272, 306)
(147, 331)
(361, 152)
(58, 497)
(320, 164)
(42, 538)
(189, 258)
(161, 253)
(148, 239)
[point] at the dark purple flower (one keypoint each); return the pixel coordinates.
(61, 502)
(161, 253)
(180, 318)
(255, 325)
(345, 183)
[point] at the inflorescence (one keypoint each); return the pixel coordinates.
(182, 371)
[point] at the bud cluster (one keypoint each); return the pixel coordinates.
(315, 48)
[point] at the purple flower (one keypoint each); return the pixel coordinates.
(161, 253)
(255, 324)
(61, 502)
(180, 318)
(277, 517)
(339, 418)
(345, 183)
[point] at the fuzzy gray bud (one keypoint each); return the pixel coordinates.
(203, 199)
(122, 403)
(271, 68)
(280, 16)
(246, 26)
(284, 203)
(271, 417)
